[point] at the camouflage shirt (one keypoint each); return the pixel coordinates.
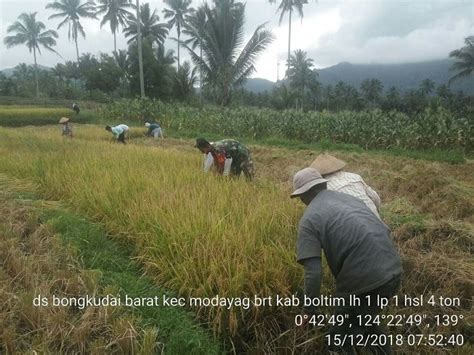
(232, 149)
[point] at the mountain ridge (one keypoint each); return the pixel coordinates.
(404, 76)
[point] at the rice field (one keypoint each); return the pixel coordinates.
(17, 115)
(199, 235)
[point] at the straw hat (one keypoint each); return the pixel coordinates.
(304, 180)
(327, 164)
(64, 120)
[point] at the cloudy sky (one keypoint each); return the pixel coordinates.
(356, 31)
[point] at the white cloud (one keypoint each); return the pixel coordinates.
(332, 31)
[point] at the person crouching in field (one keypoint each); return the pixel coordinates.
(154, 130)
(67, 127)
(229, 157)
(118, 133)
(359, 251)
(331, 169)
(75, 108)
(126, 130)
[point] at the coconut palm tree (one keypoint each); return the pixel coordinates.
(465, 57)
(115, 13)
(184, 80)
(427, 86)
(31, 32)
(301, 74)
(178, 9)
(288, 6)
(71, 12)
(140, 49)
(222, 35)
(194, 20)
(371, 89)
(150, 27)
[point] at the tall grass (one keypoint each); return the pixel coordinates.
(33, 261)
(200, 235)
(197, 234)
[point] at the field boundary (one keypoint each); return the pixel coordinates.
(178, 331)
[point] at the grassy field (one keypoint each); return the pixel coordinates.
(34, 259)
(198, 235)
(17, 115)
(47, 250)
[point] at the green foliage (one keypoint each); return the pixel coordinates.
(465, 57)
(176, 14)
(150, 27)
(430, 129)
(133, 110)
(112, 259)
(115, 13)
(100, 74)
(70, 12)
(227, 61)
(184, 80)
(158, 70)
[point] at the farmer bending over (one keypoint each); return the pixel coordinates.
(75, 108)
(154, 130)
(67, 127)
(118, 132)
(228, 156)
(357, 247)
(126, 129)
(331, 169)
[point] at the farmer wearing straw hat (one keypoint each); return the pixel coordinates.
(67, 126)
(358, 249)
(229, 157)
(331, 169)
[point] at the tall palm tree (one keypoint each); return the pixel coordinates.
(115, 13)
(427, 86)
(300, 73)
(288, 6)
(71, 11)
(178, 9)
(465, 57)
(222, 35)
(194, 20)
(30, 32)
(140, 49)
(371, 90)
(150, 27)
(184, 80)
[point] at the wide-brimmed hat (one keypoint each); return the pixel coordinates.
(64, 120)
(304, 180)
(327, 164)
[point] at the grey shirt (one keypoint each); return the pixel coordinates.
(357, 245)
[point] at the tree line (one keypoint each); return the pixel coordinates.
(221, 59)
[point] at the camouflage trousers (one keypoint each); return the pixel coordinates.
(246, 167)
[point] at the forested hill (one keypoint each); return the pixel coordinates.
(403, 76)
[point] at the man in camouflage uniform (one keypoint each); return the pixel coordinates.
(228, 149)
